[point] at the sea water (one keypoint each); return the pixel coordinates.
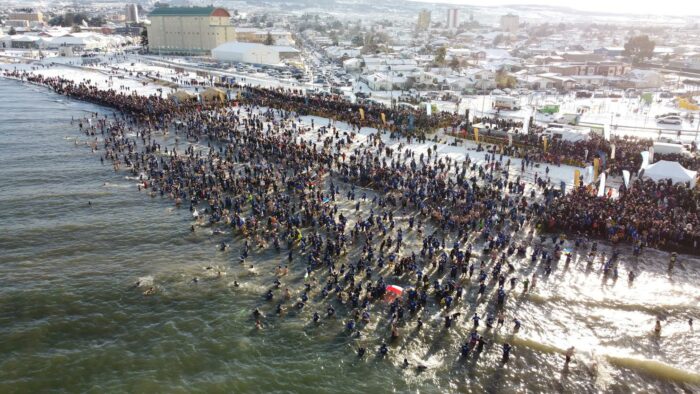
(79, 244)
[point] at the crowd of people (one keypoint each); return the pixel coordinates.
(657, 214)
(279, 185)
(353, 216)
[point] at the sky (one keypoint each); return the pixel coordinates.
(665, 7)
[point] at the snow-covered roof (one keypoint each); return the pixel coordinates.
(236, 46)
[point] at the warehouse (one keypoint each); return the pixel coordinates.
(244, 52)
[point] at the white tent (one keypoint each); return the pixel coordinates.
(670, 170)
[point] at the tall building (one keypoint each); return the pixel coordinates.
(423, 20)
(510, 23)
(189, 30)
(132, 13)
(452, 18)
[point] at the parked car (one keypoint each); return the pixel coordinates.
(672, 119)
(668, 114)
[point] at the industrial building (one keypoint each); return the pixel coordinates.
(189, 30)
(245, 52)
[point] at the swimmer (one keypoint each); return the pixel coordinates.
(405, 363)
(394, 332)
(361, 352)
(383, 350)
(657, 327)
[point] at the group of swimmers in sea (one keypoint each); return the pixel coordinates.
(348, 214)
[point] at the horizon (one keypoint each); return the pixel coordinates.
(668, 8)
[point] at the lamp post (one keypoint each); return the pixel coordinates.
(391, 89)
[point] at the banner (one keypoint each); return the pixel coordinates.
(476, 134)
(589, 175)
(601, 187)
(612, 153)
(428, 109)
(510, 139)
(239, 95)
(383, 118)
(626, 178)
(606, 131)
(603, 160)
(544, 143)
(577, 179)
(596, 168)
(411, 119)
(651, 155)
(645, 160)
(562, 185)
(362, 113)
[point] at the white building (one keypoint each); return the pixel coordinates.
(245, 52)
(384, 81)
(452, 18)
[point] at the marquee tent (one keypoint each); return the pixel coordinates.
(670, 170)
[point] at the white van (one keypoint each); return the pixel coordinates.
(509, 103)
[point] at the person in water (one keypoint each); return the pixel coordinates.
(569, 354)
(383, 350)
(506, 352)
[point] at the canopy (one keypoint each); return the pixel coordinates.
(670, 170)
(213, 94)
(180, 96)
